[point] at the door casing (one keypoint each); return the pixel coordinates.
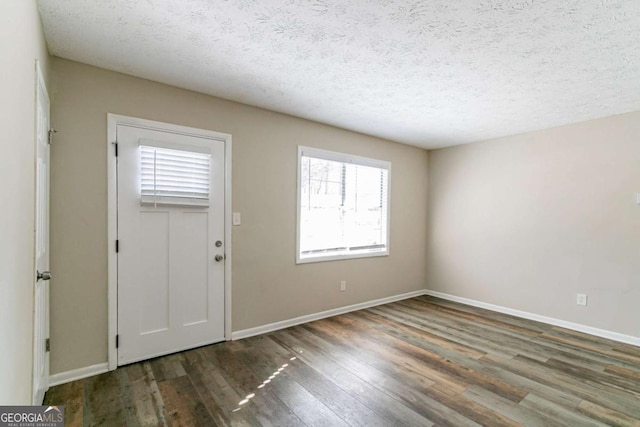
(113, 120)
(40, 384)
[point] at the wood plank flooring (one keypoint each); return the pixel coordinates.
(417, 362)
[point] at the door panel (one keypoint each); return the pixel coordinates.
(41, 287)
(195, 269)
(170, 287)
(154, 265)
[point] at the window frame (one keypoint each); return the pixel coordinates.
(344, 158)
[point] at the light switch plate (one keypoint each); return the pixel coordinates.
(236, 218)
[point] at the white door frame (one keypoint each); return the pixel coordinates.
(37, 395)
(113, 120)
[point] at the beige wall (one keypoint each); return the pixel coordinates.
(21, 42)
(267, 285)
(529, 221)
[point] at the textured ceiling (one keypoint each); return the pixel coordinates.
(428, 73)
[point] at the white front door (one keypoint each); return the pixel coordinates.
(41, 290)
(171, 213)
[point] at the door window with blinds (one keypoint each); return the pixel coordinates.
(343, 206)
(174, 175)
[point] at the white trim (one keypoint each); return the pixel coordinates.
(338, 257)
(258, 330)
(112, 235)
(615, 336)
(343, 158)
(336, 156)
(113, 120)
(228, 225)
(78, 374)
(37, 396)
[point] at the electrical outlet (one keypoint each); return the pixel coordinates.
(343, 285)
(581, 299)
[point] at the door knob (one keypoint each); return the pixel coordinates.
(219, 257)
(45, 275)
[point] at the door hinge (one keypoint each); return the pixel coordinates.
(117, 340)
(47, 345)
(117, 246)
(116, 144)
(52, 131)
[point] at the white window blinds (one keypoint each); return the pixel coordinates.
(171, 176)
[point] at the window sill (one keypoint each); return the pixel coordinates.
(337, 257)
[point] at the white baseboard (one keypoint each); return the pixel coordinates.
(258, 330)
(615, 336)
(77, 374)
(100, 368)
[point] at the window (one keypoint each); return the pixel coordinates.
(171, 176)
(343, 206)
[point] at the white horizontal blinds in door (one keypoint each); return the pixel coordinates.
(170, 176)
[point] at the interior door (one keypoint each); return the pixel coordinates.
(41, 288)
(170, 249)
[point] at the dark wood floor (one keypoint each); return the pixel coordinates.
(418, 362)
